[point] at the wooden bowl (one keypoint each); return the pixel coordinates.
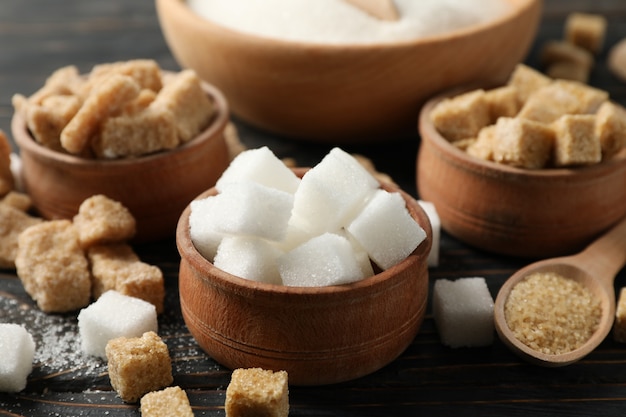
(343, 93)
(318, 335)
(514, 211)
(155, 188)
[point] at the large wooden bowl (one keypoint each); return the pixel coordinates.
(319, 335)
(343, 93)
(514, 211)
(155, 188)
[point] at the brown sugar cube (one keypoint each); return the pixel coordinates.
(170, 402)
(568, 71)
(138, 365)
(183, 95)
(53, 267)
(107, 98)
(527, 81)
(482, 147)
(103, 220)
(7, 182)
(575, 141)
(148, 131)
(13, 221)
(586, 31)
(140, 103)
(619, 326)
(502, 102)
(257, 392)
(63, 81)
(462, 116)
(117, 267)
(616, 60)
(610, 128)
(522, 143)
(561, 51)
(562, 97)
(17, 200)
(145, 72)
(464, 144)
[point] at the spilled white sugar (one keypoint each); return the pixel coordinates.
(336, 21)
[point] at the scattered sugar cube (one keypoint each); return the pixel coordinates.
(249, 257)
(248, 208)
(170, 402)
(331, 193)
(101, 219)
(13, 221)
(619, 326)
(463, 312)
(386, 229)
(575, 141)
(562, 51)
(17, 350)
(568, 71)
(586, 31)
(138, 365)
(462, 116)
(435, 224)
(262, 166)
(52, 266)
(327, 259)
(114, 315)
(257, 392)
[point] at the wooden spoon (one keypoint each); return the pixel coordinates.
(595, 267)
(380, 9)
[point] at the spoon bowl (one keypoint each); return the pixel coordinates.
(595, 268)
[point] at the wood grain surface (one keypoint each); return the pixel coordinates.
(429, 379)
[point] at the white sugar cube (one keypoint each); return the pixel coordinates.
(17, 351)
(361, 255)
(327, 259)
(332, 192)
(252, 209)
(114, 315)
(435, 224)
(386, 229)
(202, 227)
(249, 257)
(463, 312)
(261, 166)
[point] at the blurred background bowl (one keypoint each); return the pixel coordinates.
(343, 93)
(513, 211)
(155, 188)
(319, 335)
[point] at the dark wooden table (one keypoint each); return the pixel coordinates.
(39, 36)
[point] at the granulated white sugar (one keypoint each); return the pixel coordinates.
(337, 22)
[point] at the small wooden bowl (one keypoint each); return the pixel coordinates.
(513, 211)
(155, 188)
(318, 335)
(344, 93)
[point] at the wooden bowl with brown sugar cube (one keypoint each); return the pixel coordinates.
(543, 184)
(145, 152)
(318, 333)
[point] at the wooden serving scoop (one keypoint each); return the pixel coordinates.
(380, 9)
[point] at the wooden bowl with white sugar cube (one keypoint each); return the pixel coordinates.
(514, 201)
(155, 185)
(356, 79)
(324, 306)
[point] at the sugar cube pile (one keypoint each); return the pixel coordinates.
(327, 228)
(17, 351)
(463, 312)
(111, 316)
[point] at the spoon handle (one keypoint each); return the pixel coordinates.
(607, 255)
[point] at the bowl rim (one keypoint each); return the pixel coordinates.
(25, 141)
(518, 8)
(363, 287)
(428, 133)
